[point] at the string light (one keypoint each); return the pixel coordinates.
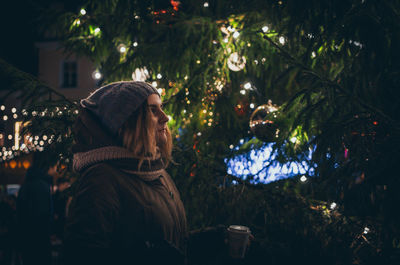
(83, 12)
(252, 105)
(303, 178)
(313, 55)
(366, 230)
(135, 44)
(13, 110)
(159, 76)
(96, 75)
(5, 117)
(97, 30)
(76, 22)
(205, 4)
(236, 34)
(293, 139)
(265, 29)
(282, 40)
(333, 206)
(15, 116)
(247, 85)
(243, 92)
(2, 107)
(121, 48)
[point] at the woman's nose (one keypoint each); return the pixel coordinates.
(164, 118)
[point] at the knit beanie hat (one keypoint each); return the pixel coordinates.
(115, 102)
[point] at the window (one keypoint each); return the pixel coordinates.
(69, 74)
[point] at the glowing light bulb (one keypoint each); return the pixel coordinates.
(265, 29)
(303, 178)
(121, 48)
(10, 137)
(252, 105)
(154, 84)
(2, 107)
(83, 12)
(96, 30)
(282, 40)
(135, 44)
(293, 139)
(159, 76)
(231, 146)
(226, 40)
(313, 55)
(243, 92)
(5, 117)
(13, 110)
(366, 230)
(236, 34)
(199, 134)
(159, 91)
(333, 205)
(247, 85)
(205, 4)
(96, 75)
(15, 116)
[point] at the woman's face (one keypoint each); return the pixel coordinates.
(159, 117)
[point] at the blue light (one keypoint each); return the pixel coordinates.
(261, 164)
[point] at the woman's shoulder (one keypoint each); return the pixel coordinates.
(100, 173)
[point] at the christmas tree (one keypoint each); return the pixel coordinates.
(316, 81)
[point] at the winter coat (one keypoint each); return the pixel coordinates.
(120, 213)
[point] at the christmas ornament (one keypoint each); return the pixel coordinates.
(263, 122)
(235, 62)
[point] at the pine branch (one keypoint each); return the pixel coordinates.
(329, 82)
(27, 87)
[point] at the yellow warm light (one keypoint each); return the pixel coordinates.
(26, 164)
(17, 129)
(13, 164)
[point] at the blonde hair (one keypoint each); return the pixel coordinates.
(138, 134)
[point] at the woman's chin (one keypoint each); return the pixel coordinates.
(161, 139)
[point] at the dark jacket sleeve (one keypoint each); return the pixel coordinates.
(92, 218)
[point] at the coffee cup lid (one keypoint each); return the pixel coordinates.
(238, 228)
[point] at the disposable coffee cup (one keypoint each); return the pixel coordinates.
(238, 238)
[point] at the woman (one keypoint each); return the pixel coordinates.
(126, 208)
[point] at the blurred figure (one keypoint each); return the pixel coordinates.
(35, 211)
(7, 229)
(60, 198)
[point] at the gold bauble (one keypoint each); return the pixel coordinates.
(263, 123)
